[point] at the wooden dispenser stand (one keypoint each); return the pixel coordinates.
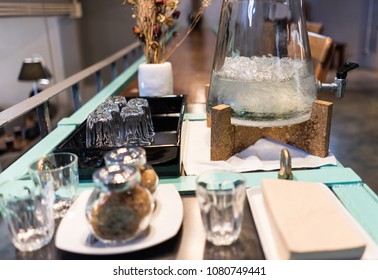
(311, 136)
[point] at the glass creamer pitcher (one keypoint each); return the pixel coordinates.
(262, 64)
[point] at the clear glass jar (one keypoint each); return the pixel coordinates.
(262, 64)
(135, 156)
(119, 209)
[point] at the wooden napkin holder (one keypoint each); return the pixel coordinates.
(311, 136)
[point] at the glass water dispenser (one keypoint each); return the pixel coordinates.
(262, 64)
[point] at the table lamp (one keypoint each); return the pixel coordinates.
(34, 69)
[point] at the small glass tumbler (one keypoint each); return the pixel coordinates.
(135, 126)
(221, 196)
(91, 138)
(143, 103)
(58, 172)
(120, 101)
(135, 156)
(100, 130)
(28, 214)
(116, 128)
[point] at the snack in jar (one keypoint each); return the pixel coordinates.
(119, 208)
(135, 156)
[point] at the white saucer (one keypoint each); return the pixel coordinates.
(73, 231)
(265, 230)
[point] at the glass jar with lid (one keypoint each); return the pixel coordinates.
(119, 209)
(135, 156)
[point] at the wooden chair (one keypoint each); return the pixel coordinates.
(315, 27)
(322, 52)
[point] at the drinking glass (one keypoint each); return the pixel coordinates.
(120, 101)
(91, 137)
(221, 196)
(108, 105)
(58, 172)
(135, 126)
(100, 130)
(143, 103)
(115, 123)
(28, 214)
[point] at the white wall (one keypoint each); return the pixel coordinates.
(21, 38)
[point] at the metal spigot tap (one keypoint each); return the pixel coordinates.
(340, 82)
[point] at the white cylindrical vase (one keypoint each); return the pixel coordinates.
(155, 79)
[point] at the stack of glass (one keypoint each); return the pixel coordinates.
(117, 123)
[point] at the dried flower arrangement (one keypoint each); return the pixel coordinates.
(154, 19)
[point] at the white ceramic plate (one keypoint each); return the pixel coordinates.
(73, 231)
(264, 228)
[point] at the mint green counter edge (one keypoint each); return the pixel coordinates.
(339, 175)
(362, 203)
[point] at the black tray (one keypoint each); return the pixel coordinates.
(164, 154)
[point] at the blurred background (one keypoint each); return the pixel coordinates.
(69, 43)
(93, 30)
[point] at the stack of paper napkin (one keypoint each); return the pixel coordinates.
(310, 222)
(263, 155)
